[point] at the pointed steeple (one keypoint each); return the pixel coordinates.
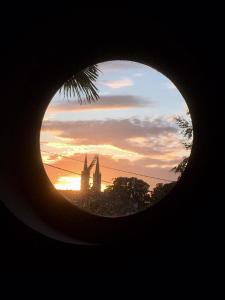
(97, 170)
(85, 162)
(85, 175)
(97, 177)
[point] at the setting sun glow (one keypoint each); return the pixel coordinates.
(68, 183)
(71, 183)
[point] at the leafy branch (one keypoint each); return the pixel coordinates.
(82, 85)
(186, 129)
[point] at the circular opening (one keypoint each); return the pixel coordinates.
(116, 138)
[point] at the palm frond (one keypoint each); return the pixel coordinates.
(82, 85)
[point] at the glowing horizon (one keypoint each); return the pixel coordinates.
(71, 183)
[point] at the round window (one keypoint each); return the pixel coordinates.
(116, 138)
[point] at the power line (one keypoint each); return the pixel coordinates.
(62, 156)
(68, 171)
(115, 169)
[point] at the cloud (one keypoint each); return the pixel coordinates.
(110, 128)
(104, 103)
(49, 158)
(155, 138)
(162, 166)
(149, 146)
(104, 149)
(118, 84)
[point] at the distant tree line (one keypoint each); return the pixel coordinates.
(127, 195)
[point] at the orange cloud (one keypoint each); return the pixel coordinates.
(128, 144)
(104, 103)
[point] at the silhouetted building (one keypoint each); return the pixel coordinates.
(97, 177)
(85, 175)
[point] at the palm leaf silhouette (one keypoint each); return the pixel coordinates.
(82, 85)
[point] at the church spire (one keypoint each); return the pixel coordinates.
(97, 177)
(85, 162)
(85, 175)
(97, 170)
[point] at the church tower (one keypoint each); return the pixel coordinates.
(97, 177)
(85, 176)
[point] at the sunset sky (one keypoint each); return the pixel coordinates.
(131, 127)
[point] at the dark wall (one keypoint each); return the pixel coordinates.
(183, 234)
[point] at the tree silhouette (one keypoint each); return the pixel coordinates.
(186, 129)
(161, 190)
(82, 85)
(125, 196)
(131, 187)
